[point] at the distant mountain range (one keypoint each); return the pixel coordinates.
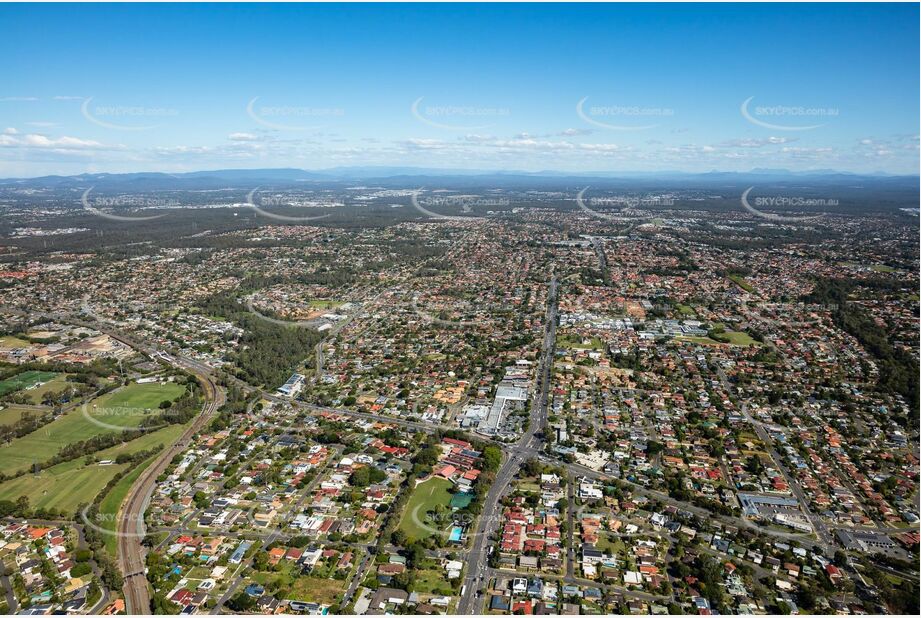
(409, 176)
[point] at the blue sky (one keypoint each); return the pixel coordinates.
(528, 87)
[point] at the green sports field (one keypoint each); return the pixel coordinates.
(426, 496)
(56, 384)
(26, 379)
(121, 408)
(66, 485)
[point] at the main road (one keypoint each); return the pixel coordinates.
(528, 446)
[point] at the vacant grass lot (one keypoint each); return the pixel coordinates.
(110, 505)
(698, 340)
(12, 413)
(732, 338)
(66, 485)
(426, 496)
(577, 343)
(292, 585)
(325, 304)
(9, 341)
(739, 338)
(317, 589)
(740, 281)
(431, 580)
(42, 444)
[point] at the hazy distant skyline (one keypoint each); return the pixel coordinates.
(120, 88)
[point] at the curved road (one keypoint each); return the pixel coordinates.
(131, 516)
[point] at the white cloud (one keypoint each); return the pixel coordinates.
(242, 137)
(426, 144)
(37, 141)
(756, 142)
(42, 141)
(574, 132)
(601, 147)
